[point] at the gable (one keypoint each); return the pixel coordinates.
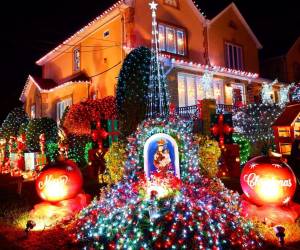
(232, 9)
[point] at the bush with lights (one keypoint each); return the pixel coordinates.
(12, 123)
(79, 117)
(209, 154)
(245, 147)
(77, 148)
(186, 213)
(39, 126)
(115, 162)
(132, 89)
(254, 121)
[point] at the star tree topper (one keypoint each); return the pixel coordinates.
(153, 6)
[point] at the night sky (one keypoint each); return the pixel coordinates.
(31, 29)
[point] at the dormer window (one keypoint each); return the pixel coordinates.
(173, 3)
(172, 39)
(234, 56)
(76, 59)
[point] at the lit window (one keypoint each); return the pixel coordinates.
(191, 89)
(32, 111)
(171, 39)
(297, 129)
(285, 148)
(238, 94)
(180, 42)
(161, 37)
(173, 3)
(76, 59)
(234, 56)
(61, 107)
(284, 132)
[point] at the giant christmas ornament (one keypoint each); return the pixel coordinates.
(268, 181)
(59, 181)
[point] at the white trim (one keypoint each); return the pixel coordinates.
(242, 19)
(84, 32)
(176, 152)
(30, 81)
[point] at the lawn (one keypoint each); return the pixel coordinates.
(14, 214)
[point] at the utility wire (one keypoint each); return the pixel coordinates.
(105, 70)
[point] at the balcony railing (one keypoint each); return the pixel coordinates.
(192, 111)
(188, 111)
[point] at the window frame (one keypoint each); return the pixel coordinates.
(197, 82)
(176, 30)
(33, 106)
(232, 60)
(75, 69)
(59, 114)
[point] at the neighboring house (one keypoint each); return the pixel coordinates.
(194, 50)
(287, 129)
(285, 67)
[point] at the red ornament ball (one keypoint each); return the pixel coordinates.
(268, 181)
(59, 181)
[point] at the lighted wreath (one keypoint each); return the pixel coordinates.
(178, 129)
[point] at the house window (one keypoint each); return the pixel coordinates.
(76, 59)
(238, 95)
(286, 148)
(297, 128)
(61, 107)
(234, 56)
(32, 111)
(172, 39)
(106, 34)
(173, 3)
(284, 132)
(191, 89)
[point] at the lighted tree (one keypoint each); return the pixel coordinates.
(14, 120)
(132, 89)
(255, 121)
(115, 162)
(39, 126)
(209, 154)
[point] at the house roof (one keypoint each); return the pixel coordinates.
(44, 83)
(289, 115)
(242, 19)
(48, 85)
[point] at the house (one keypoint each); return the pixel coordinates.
(284, 67)
(216, 58)
(287, 128)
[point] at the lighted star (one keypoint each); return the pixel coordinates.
(153, 5)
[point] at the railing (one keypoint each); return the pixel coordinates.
(188, 111)
(192, 111)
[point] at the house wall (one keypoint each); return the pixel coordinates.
(186, 16)
(220, 31)
(101, 58)
(46, 102)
